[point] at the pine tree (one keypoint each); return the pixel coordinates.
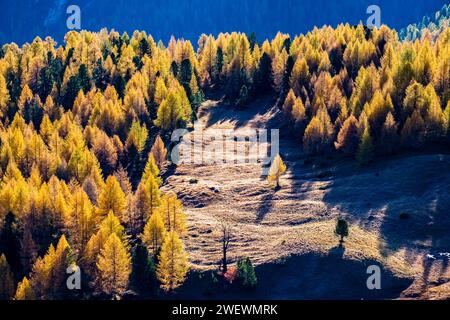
(114, 266)
(143, 277)
(341, 229)
(154, 233)
(277, 169)
(24, 291)
(6, 280)
(173, 263)
(112, 198)
(246, 272)
(263, 75)
(365, 152)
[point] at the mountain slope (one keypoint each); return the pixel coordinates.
(299, 218)
(26, 19)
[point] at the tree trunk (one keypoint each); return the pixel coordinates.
(224, 261)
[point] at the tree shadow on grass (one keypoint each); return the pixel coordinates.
(407, 202)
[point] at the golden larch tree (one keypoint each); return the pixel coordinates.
(151, 168)
(154, 233)
(277, 168)
(114, 266)
(24, 291)
(159, 152)
(172, 212)
(173, 262)
(112, 198)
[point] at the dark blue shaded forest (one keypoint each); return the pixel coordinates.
(21, 21)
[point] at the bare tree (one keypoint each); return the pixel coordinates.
(225, 240)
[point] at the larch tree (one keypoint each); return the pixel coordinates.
(278, 65)
(82, 219)
(154, 233)
(413, 131)
(159, 152)
(389, 138)
(300, 76)
(348, 137)
(173, 263)
(108, 226)
(114, 266)
(319, 132)
(172, 212)
(147, 200)
(49, 273)
(112, 198)
(365, 152)
(151, 169)
(298, 111)
(6, 280)
(170, 112)
(208, 60)
(24, 291)
(136, 137)
(289, 103)
(4, 96)
(160, 91)
(277, 168)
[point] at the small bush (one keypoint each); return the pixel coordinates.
(193, 181)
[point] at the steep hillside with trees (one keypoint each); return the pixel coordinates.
(85, 129)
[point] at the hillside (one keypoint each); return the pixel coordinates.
(26, 19)
(88, 178)
(299, 218)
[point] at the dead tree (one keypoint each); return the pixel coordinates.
(225, 240)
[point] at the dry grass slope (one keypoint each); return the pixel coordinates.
(397, 209)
